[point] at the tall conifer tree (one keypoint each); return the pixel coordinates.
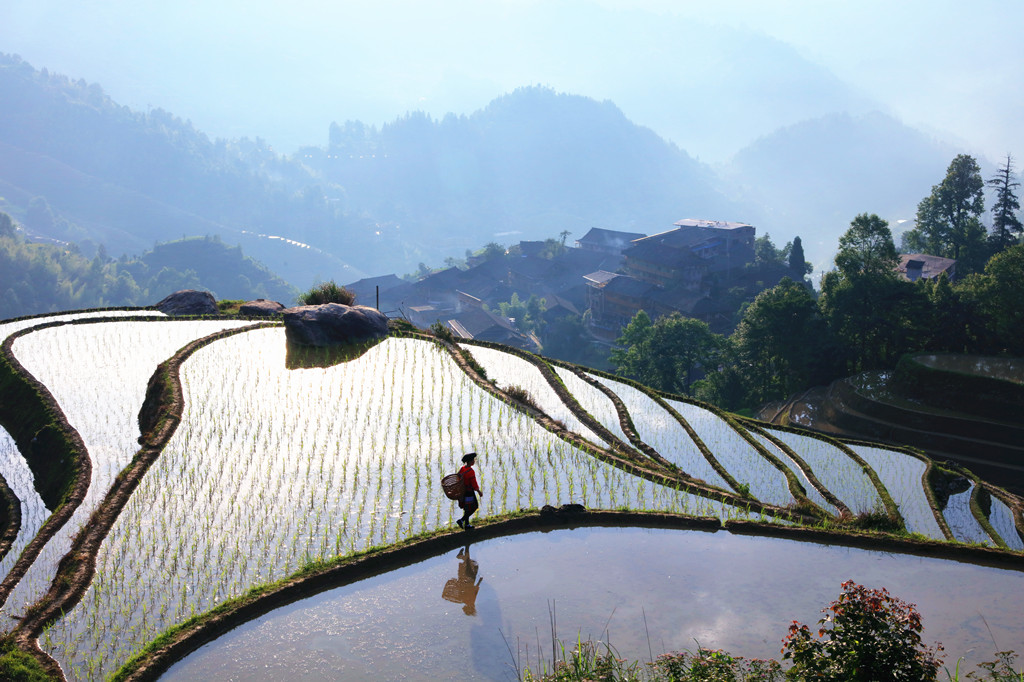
(1006, 226)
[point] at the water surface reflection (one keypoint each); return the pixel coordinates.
(462, 589)
(735, 592)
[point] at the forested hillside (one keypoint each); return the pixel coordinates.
(127, 179)
(814, 175)
(530, 164)
(38, 277)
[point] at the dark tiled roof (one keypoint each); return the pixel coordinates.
(476, 321)
(559, 306)
(601, 237)
(601, 277)
(658, 254)
(583, 261)
(718, 224)
(930, 266)
(495, 268)
(532, 267)
(628, 286)
(366, 289)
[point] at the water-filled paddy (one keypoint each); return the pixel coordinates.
(444, 618)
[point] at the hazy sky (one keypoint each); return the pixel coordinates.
(711, 76)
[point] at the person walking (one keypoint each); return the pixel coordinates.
(468, 502)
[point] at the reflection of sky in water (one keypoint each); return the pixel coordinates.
(734, 592)
(1008, 369)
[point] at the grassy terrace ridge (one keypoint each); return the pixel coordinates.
(31, 415)
(795, 488)
(620, 455)
(184, 638)
(10, 517)
(738, 422)
(75, 571)
(52, 448)
(891, 509)
(162, 413)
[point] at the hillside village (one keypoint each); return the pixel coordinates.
(703, 269)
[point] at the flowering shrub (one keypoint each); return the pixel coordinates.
(865, 635)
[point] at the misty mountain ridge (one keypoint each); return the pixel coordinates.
(533, 162)
(127, 179)
(813, 177)
(529, 165)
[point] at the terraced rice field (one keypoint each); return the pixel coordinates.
(272, 468)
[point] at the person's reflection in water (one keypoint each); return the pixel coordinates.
(463, 590)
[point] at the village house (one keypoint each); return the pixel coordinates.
(690, 253)
(669, 272)
(915, 266)
(613, 274)
(611, 242)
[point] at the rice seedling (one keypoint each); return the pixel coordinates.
(813, 494)
(836, 470)
(20, 480)
(593, 401)
(961, 520)
(255, 508)
(1001, 518)
(506, 369)
(98, 374)
(664, 433)
(741, 459)
(903, 477)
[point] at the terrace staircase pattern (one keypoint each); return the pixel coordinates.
(644, 470)
(870, 407)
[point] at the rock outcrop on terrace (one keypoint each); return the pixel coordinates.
(333, 324)
(261, 307)
(188, 302)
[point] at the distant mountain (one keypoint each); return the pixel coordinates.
(126, 179)
(813, 177)
(528, 166)
(39, 277)
(371, 201)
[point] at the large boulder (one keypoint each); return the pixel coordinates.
(333, 324)
(189, 302)
(261, 307)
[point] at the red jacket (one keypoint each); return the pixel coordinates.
(469, 478)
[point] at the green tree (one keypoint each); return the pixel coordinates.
(6, 225)
(1006, 226)
(948, 221)
(798, 265)
(552, 248)
(998, 294)
(873, 313)
(491, 250)
(955, 319)
(766, 255)
(668, 354)
(867, 248)
(777, 344)
(527, 314)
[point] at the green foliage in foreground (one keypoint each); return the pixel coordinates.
(866, 635)
(18, 666)
(327, 292)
